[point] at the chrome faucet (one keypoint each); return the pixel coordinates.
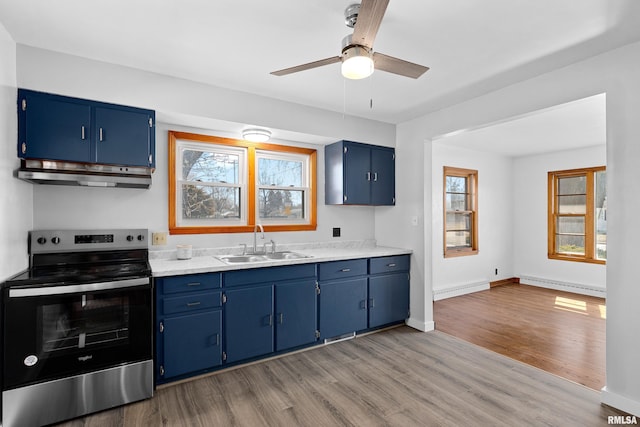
(255, 238)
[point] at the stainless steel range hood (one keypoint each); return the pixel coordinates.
(85, 174)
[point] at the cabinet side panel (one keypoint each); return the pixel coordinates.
(333, 174)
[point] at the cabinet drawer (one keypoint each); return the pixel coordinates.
(190, 283)
(339, 269)
(389, 264)
(269, 274)
(191, 302)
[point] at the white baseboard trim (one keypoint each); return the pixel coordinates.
(455, 291)
(576, 288)
(619, 402)
(420, 325)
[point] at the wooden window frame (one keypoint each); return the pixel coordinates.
(472, 180)
(250, 178)
(590, 255)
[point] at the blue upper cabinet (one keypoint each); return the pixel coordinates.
(359, 174)
(54, 127)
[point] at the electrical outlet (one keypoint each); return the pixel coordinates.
(159, 238)
(336, 231)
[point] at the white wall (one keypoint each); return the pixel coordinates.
(192, 104)
(616, 74)
(458, 275)
(15, 195)
(530, 202)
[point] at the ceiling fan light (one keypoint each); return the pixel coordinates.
(356, 63)
(256, 135)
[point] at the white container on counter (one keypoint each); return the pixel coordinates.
(184, 251)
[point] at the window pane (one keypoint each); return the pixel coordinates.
(572, 204)
(456, 202)
(458, 221)
(458, 239)
(207, 202)
(283, 204)
(570, 225)
(206, 166)
(573, 185)
(456, 184)
(570, 245)
(601, 215)
(281, 173)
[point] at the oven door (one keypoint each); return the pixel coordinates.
(53, 332)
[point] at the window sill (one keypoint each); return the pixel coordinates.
(576, 259)
(453, 253)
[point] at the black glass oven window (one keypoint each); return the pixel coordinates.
(88, 322)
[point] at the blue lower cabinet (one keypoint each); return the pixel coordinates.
(343, 307)
(296, 314)
(248, 322)
(192, 342)
(388, 299)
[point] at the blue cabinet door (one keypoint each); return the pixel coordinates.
(343, 307)
(123, 137)
(383, 180)
(388, 299)
(296, 314)
(53, 128)
(248, 322)
(357, 174)
(191, 343)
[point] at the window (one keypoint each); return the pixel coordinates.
(460, 212)
(222, 185)
(577, 221)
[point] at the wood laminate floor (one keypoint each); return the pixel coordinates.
(560, 332)
(397, 377)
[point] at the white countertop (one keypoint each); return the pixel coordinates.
(205, 260)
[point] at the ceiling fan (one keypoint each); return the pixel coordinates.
(357, 56)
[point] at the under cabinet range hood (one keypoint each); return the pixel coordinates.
(84, 174)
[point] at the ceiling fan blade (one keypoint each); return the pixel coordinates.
(308, 66)
(398, 66)
(368, 22)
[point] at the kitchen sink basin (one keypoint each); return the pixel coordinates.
(286, 255)
(237, 259)
(243, 259)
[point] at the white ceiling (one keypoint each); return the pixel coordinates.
(576, 124)
(472, 46)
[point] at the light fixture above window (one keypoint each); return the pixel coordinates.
(357, 62)
(256, 135)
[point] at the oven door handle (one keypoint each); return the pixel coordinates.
(76, 289)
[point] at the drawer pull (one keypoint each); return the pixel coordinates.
(345, 270)
(193, 304)
(194, 284)
(393, 264)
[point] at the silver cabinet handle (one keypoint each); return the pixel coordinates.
(375, 176)
(101, 136)
(345, 270)
(194, 284)
(82, 132)
(281, 318)
(193, 304)
(368, 176)
(393, 264)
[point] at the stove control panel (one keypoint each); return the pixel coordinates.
(44, 241)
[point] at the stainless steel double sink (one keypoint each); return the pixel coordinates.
(275, 256)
